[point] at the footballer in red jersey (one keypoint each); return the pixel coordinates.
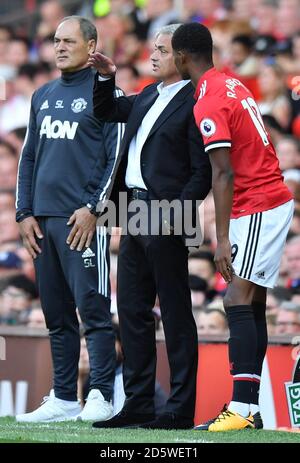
(254, 209)
(228, 116)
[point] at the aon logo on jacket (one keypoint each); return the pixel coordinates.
(58, 129)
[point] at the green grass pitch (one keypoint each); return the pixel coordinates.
(11, 431)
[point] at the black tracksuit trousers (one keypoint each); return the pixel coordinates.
(66, 280)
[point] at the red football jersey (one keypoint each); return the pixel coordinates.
(228, 116)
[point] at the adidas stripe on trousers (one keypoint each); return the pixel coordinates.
(66, 280)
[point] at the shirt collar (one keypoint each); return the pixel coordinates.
(76, 77)
(207, 75)
(170, 90)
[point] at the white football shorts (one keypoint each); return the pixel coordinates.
(257, 243)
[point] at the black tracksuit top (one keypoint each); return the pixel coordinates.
(68, 155)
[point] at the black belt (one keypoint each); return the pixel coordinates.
(138, 193)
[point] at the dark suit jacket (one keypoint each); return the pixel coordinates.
(173, 162)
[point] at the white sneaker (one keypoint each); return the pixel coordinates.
(51, 409)
(96, 408)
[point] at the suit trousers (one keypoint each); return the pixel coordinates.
(66, 280)
(150, 266)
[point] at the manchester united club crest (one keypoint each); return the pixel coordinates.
(78, 105)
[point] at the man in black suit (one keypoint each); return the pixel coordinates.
(160, 159)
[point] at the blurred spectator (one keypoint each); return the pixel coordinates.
(275, 297)
(273, 127)
(216, 303)
(51, 12)
(264, 45)
(265, 17)
(281, 294)
(112, 28)
(160, 13)
(287, 18)
(283, 278)
(295, 295)
(292, 180)
(27, 262)
(272, 304)
(292, 252)
(291, 62)
(9, 230)
(288, 319)
(206, 11)
(19, 104)
(46, 51)
(8, 171)
(15, 138)
(273, 91)
(7, 199)
(243, 61)
(295, 226)
(271, 323)
(242, 10)
(10, 260)
(36, 318)
(146, 21)
(198, 287)
(212, 321)
(132, 50)
(17, 52)
(127, 78)
(201, 264)
(16, 300)
(223, 32)
(15, 247)
(10, 264)
(43, 74)
(7, 151)
(288, 152)
(5, 37)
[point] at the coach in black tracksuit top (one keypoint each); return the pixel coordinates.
(65, 170)
(169, 163)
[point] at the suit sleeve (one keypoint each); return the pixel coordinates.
(112, 135)
(26, 169)
(109, 103)
(199, 184)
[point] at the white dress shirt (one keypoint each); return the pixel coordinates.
(133, 176)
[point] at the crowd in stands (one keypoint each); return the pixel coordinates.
(256, 41)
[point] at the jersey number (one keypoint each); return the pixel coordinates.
(253, 110)
(234, 251)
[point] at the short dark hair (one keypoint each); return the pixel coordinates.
(88, 30)
(243, 39)
(195, 39)
(204, 255)
(19, 132)
(28, 70)
(24, 283)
